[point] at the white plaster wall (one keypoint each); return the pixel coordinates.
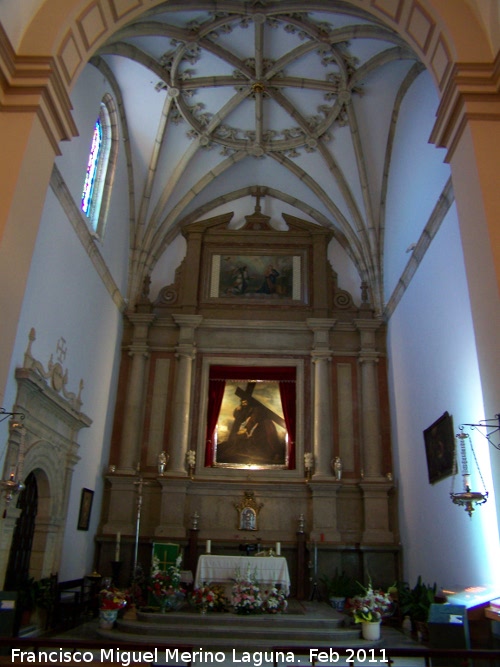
(416, 178)
(433, 368)
(65, 297)
(72, 163)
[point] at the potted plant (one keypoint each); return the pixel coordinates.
(246, 597)
(275, 601)
(369, 609)
(111, 600)
(165, 586)
(338, 588)
(416, 602)
(209, 598)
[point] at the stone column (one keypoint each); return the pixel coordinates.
(181, 413)
(370, 407)
(375, 486)
(134, 404)
(322, 405)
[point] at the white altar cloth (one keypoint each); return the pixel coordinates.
(223, 569)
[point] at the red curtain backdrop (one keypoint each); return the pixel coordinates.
(215, 395)
(285, 375)
(288, 402)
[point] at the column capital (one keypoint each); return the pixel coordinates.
(190, 321)
(321, 329)
(320, 323)
(367, 330)
(320, 355)
(184, 351)
(141, 318)
(471, 94)
(141, 323)
(368, 357)
(367, 326)
(138, 349)
(187, 326)
(35, 84)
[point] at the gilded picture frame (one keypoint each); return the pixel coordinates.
(261, 277)
(86, 500)
(439, 440)
(251, 429)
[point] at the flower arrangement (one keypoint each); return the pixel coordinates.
(246, 597)
(210, 598)
(165, 585)
(371, 606)
(111, 599)
(275, 601)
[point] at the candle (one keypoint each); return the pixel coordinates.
(315, 559)
(117, 547)
(209, 547)
(278, 548)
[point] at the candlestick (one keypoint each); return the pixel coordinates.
(117, 547)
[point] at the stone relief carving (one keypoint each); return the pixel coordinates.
(55, 374)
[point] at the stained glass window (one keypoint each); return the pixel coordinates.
(92, 166)
(101, 165)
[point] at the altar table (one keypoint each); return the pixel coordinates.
(267, 570)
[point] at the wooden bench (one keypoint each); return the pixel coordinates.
(73, 602)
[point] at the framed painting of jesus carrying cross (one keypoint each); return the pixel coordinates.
(251, 418)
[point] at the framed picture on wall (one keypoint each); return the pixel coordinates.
(439, 440)
(85, 509)
(251, 417)
(260, 276)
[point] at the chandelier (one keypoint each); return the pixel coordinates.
(14, 484)
(467, 498)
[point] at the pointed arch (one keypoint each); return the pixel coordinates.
(101, 166)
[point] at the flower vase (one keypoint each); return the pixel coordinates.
(370, 630)
(203, 609)
(107, 618)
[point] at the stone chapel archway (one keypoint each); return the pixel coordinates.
(48, 408)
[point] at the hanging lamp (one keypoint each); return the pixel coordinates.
(467, 499)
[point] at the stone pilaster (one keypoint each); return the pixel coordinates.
(134, 404)
(324, 512)
(172, 508)
(185, 354)
(122, 505)
(376, 513)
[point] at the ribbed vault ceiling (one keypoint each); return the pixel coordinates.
(298, 99)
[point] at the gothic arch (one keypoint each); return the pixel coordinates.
(72, 31)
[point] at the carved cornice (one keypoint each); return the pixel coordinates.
(472, 93)
(34, 84)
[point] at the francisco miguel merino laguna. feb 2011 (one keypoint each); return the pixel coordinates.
(126, 657)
